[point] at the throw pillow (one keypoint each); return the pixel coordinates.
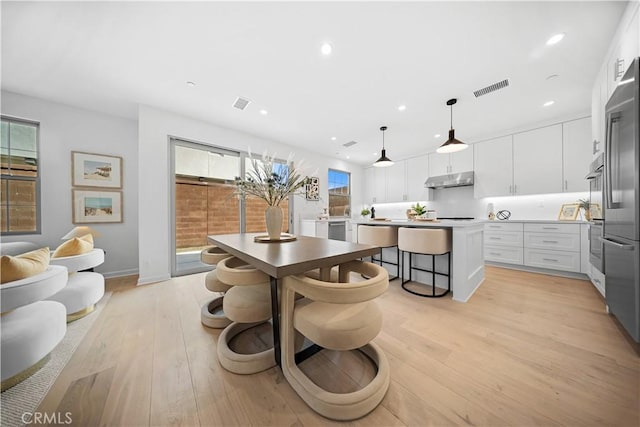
(75, 246)
(22, 266)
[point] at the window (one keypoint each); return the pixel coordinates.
(339, 193)
(20, 178)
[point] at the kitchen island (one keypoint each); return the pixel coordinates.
(467, 254)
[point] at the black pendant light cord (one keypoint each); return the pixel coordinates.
(383, 128)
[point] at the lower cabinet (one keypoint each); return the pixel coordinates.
(551, 246)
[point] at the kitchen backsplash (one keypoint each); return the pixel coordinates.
(459, 202)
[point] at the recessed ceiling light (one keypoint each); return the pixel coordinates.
(437, 135)
(264, 112)
(555, 39)
(402, 107)
(375, 154)
(191, 84)
(348, 157)
(548, 103)
(333, 138)
(326, 49)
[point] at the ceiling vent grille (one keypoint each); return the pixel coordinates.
(349, 144)
(241, 103)
(491, 88)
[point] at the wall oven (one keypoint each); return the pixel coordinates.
(596, 179)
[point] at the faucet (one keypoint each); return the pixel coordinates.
(373, 212)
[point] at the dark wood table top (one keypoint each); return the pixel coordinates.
(286, 258)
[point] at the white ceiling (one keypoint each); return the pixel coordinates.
(113, 56)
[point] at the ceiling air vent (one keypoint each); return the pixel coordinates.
(241, 103)
(349, 144)
(491, 88)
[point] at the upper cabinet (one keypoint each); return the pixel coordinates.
(443, 164)
(625, 48)
(369, 196)
(379, 185)
(576, 154)
(493, 162)
(537, 161)
(417, 174)
(396, 182)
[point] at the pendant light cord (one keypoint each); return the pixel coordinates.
(383, 140)
(451, 109)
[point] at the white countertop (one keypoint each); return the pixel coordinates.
(432, 224)
(328, 220)
(539, 221)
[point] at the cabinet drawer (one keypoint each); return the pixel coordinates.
(502, 254)
(554, 241)
(503, 226)
(555, 260)
(503, 238)
(553, 228)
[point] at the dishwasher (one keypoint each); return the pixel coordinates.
(337, 230)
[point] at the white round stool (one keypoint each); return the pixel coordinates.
(426, 241)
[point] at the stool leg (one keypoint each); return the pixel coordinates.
(433, 275)
(449, 276)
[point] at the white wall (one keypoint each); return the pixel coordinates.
(154, 128)
(64, 129)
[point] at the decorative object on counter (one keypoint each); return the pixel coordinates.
(365, 212)
(272, 182)
(490, 214)
(313, 189)
(452, 144)
(504, 214)
(431, 214)
(418, 210)
(324, 214)
(569, 212)
(383, 161)
(373, 212)
(595, 211)
(586, 206)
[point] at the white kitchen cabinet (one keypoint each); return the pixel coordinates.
(368, 184)
(443, 164)
(417, 174)
(537, 161)
(503, 242)
(396, 181)
(598, 99)
(379, 185)
(493, 166)
(576, 154)
(625, 48)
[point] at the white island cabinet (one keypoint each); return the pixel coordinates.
(467, 259)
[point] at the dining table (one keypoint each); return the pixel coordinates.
(290, 256)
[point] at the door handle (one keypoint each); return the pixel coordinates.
(618, 245)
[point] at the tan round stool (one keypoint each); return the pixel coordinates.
(211, 314)
(338, 316)
(247, 304)
(426, 241)
(382, 237)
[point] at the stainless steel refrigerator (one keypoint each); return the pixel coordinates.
(621, 202)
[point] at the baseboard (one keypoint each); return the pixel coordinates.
(121, 273)
(549, 272)
(153, 279)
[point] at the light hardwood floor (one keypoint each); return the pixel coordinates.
(527, 349)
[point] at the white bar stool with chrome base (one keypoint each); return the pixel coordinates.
(426, 241)
(382, 237)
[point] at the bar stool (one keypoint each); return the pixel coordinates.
(247, 304)
(425, 241)
(382, 237)
(208, 316)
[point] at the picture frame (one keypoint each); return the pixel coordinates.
(595, 210)
(96, 206)
(569, 212)
(96, 170)
(313, 189)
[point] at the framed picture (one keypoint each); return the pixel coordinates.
(569, 212)
(96, 206)
(96, 170)
(313, 189)
(595, 211)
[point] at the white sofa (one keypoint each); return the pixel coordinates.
(30, 327)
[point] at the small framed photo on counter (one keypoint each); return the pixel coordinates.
(569, 212)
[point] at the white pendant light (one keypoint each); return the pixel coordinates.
(383, 161)
(452, 144)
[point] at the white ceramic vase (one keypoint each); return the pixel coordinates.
(273, 218)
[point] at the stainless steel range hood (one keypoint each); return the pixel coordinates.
(461, 179)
